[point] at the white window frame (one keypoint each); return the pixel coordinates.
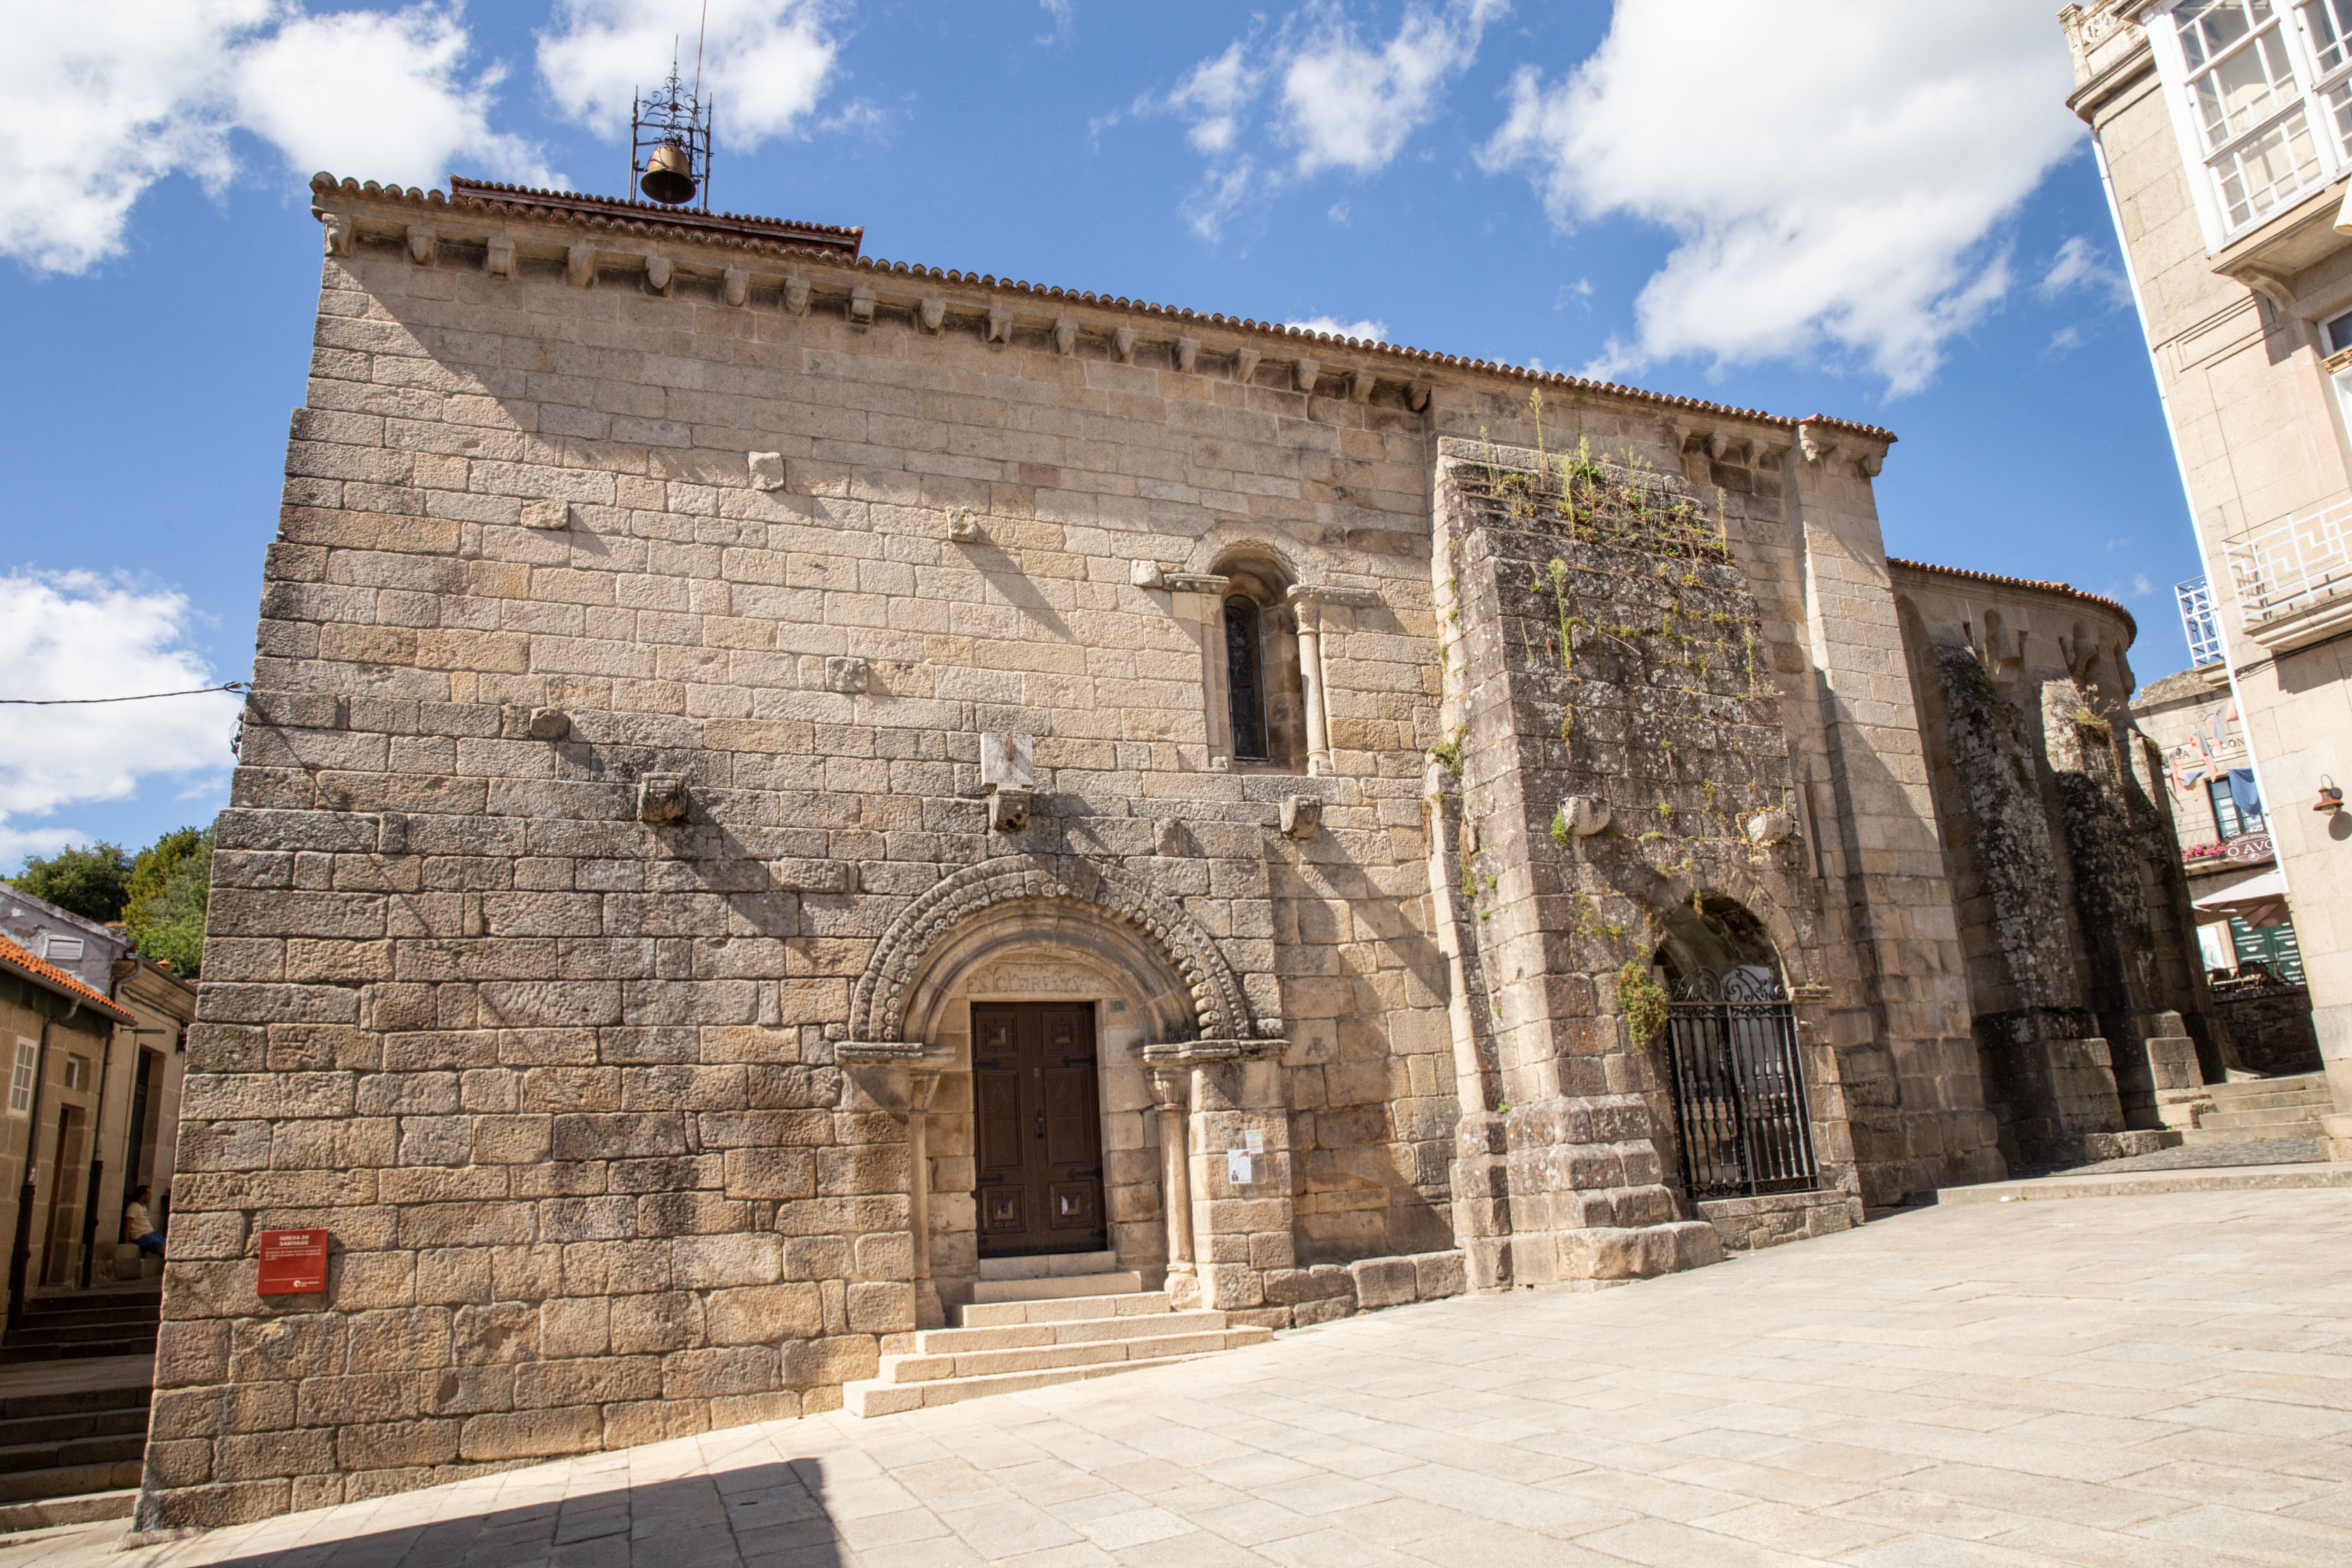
(53, 948)
(20, 1081)
(2312, 90)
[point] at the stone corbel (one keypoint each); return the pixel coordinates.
(660, 273)
(1188, 352)
(1245, 364)
(1416, 397)
(498, 260)
(1360, 386)
(931, 313)
(1122, 342)
(1305, 374)
(335, 232)
(861, 304)
(1868, 464)
(1066, 335)
(1195, 582)
(580, 267)
(1818, 443)
(893, 1076)
(1147, 575)
(2271, 284)
(420, 245)
(796, 296)
(735, 286)
(999, 325)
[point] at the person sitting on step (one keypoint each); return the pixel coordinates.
(139, 1227)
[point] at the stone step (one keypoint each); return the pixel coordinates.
(2264, 1115)
(872, 1397)
(67, 1480)
(71, 1453)
(920, 1368)
(127, 1420)
(87, 1508)
(2310, 1084)
(1048, 1264)
(1068, 1331)
(1124, 1283)
(1000, 1314)
(2197, 1136)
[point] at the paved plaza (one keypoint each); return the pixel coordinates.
(2153, 1380)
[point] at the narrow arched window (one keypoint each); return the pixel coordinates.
(1245, 680)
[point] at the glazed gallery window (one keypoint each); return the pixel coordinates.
(2265, 88)
(1245, 678)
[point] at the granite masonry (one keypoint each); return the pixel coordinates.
(786, 793)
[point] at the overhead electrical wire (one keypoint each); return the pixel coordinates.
(142, 697)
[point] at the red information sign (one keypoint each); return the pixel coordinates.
(292, 1261)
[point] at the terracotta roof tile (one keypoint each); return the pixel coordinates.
(44, 974)
(841, 245)
(2067, 588)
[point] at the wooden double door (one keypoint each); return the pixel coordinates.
(1035, 1098)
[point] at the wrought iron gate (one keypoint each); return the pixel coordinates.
(1739, 1096)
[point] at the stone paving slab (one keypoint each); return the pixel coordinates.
(2205, 1156)
(2161, 1380)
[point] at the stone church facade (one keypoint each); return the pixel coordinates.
(778, 780)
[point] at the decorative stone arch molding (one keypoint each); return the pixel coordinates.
(877, 1005)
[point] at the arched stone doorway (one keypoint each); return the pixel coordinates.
(1074, 945)
(1728, 1059)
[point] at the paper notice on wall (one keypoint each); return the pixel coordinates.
(1237, 1167)
(1254, 1142)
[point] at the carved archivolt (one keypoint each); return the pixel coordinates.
(875, 1008)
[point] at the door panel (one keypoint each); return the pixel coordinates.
(1036, 1097)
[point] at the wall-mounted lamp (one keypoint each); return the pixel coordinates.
(2331, 799)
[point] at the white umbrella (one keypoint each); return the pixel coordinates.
(2258, 901)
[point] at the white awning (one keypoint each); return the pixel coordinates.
(2258, 901)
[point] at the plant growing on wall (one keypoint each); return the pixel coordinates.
(1643, 1001)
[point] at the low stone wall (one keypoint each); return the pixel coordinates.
(1746, 1225)
(1298, 1296)
(2272, 1029)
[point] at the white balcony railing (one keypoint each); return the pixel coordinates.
(2287, 570)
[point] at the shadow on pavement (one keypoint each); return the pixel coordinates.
(761, 1516)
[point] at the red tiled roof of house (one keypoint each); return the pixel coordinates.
(2066, 588)
(42, 973)
(841, 245)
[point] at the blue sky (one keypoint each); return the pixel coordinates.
(1801, 208)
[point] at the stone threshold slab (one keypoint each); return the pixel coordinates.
(2143, 1184)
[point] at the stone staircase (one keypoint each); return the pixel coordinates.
(73, 1456)
(2256, 1110)
(1039, 1321)
(107, 1319)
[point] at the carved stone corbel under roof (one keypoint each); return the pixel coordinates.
(420, 245)
(930, 312)
(735, 286)
(1188, 352)
(1246, 362)
(1306, 374)
(1066, 335)
(1123, 343)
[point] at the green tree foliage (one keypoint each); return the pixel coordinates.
(165, 912)
(92, 881)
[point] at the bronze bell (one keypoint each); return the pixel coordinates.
(669, 175)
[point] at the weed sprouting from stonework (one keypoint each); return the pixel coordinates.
(1643, 1001)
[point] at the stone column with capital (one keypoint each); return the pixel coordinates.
(1236, 1141)
(1308, 609)
(1171, 1092)
(897, 1080)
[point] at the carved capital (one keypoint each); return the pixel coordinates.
(896, 1078)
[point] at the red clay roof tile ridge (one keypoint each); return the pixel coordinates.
(648, 214)
(2066, 588)
(57, 980)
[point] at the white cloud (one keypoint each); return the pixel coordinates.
(1339, 103)
(1835, 182)
(1059, 10)
(764, 62)
(1213, 95)
(1368, 329)
(1349, 107)
(2080, 264)
(75, 633)
(137, 90)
